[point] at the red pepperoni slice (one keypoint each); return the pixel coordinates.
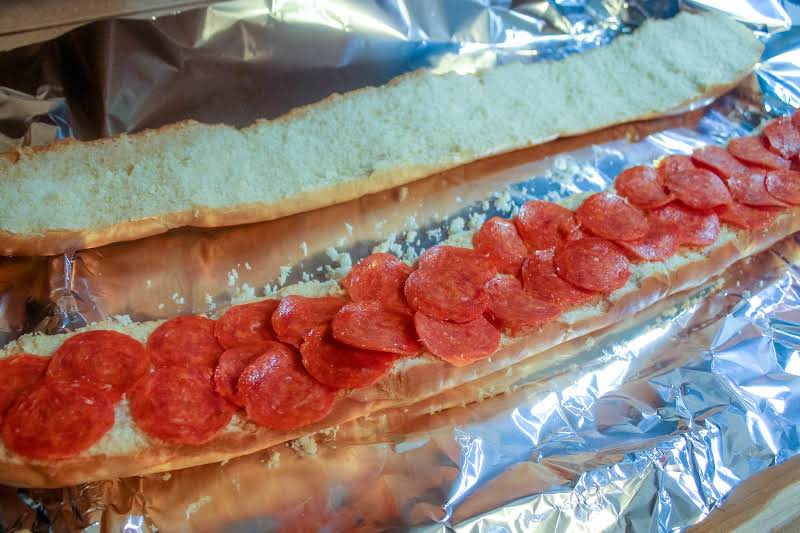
(718, 160)
(752, 150)
(279, 394)
(232, 363)
(541, 281)
(674, 163)
(750, 188)
(693, 228)
(796, 119)
(514, 310)
(378, 277)
(458, 344)
(611, 217)
(341, 366)
(109, 360)
(571, 231)
(246, 324)
(660, 243)
(746, 217)
(784, 185)
(185, 340)
(498, 238)
(179, 405)
(58, 419)
(371, 326)
(445, 294)
(468, 262)
(297, 315)
(642, 186)
(593, 264)
(783, 137)
(698, 189)
(18, 374)
(541, 224)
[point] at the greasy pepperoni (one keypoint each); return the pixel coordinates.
(445, 294)
(499, 240)
(185, 340)
(750, 188)
(279, 394)
(752, 150)
(232, 363)
(784, 185)
(693, 228)
(297, 315)
(18, 374)
(782, 137)
(108, 360)
(540, 280)
(246, 324)
(378, 277)
(179, 405)
(468, 262)
(674, 163)
(341, 366)
(661, 242)
(746, 217)
(57, 419)
(642, 186)
(718, 160)
(541, 224)
(611, 217)
(515, 310)
(593, 264)
(371, 326)
(698, 189)
(458, 344)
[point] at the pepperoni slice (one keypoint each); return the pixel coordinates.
(674, 163)
(297, 315)
(541, 224)
(660, 243)
(752, 150)
(698, 189)
(341, 366)
(514, 310)
(693, 228)
(232, 363)
(498, 238)
(371, 326)
(593, 264)
(783, 137)
(458, 344)
(378, 277)
(18, 374)
(58, 419)
(179, 405)
(611, 217)
(784, 185)
(746, 217)
(750, 188)
(185, 340)
(445, 294)
(642, 186)
(468, 262)
(279, 394)
(246, 324)
(109, 360)
(540, 280)
(718, 160)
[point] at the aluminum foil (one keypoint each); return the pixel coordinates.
(647, 426)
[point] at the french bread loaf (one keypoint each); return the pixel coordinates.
(74, 195)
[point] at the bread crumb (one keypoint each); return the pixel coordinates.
(402, 193)
(305, 446)
(196, 505)
(166, 476)
(304, 248)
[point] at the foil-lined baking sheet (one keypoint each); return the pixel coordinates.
(646, 427)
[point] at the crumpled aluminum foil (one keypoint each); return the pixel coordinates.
(647, 427)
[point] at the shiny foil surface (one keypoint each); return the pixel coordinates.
(645, 426)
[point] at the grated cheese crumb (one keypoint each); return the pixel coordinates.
(304, 248)
(233, 275)
(210, 302)
(456, 226)
(435, 234)
(402, 193)
(285, 271)
(305, 446)
(178, 299)
(274, 460)
(148, 283)
(160, 306)
(196, 505)
(503, 202)
(349, 229)
(247, 266)
(476, 220)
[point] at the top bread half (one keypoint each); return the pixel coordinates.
(75, 195)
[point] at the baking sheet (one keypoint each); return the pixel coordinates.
(647, 427)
